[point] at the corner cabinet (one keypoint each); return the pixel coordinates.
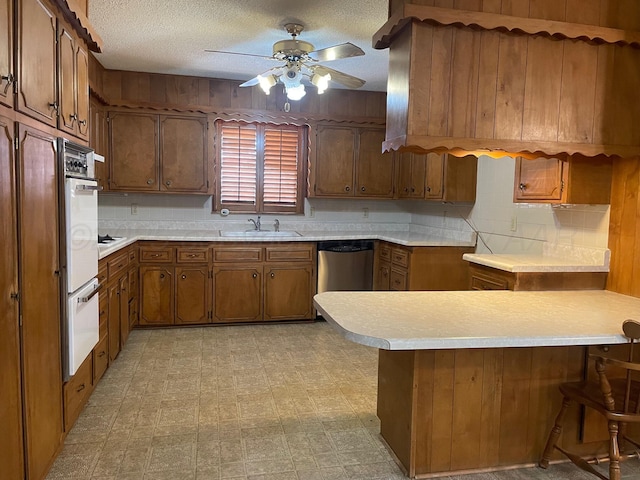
(349, 163)
(434, 176)
(158, 153)
(401, 268)
(575, 180)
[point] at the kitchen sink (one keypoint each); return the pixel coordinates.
(259, 233)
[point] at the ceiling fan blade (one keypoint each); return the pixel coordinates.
(255, 80)
(237, 53)
(344, 50)
(336, 76)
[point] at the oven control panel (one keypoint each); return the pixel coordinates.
(77, 160)
(76, 164)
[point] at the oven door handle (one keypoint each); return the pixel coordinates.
(92, 188)
(91, 295)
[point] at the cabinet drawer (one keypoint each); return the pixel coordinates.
(156, 254)
(488, 283)
(102, 272)
(76, 392)
(237, 254)
(398, 279)
(400, 257)
(133, 255)
(384, 252)
(192, 254)
(100, 359)
(117, 264)
(289, 253)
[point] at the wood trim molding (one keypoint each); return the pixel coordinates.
(73, 13)
(506, 23)
(497, 148)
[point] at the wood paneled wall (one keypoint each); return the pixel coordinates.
(621, 14)
(209, 95)
(624, 228)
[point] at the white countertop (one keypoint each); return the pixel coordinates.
(553, 258)
(401, 238)
(478, 319)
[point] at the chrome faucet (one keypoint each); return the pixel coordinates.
(276, 225)
(256, 223)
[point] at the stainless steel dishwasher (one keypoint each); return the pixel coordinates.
(345, 265)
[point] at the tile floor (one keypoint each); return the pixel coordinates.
(268, 402)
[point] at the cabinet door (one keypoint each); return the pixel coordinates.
(183, 154)
(37, 61)
(39, 298)
(411, 175)
(133, 162)
(193, 294)
(113, 294)
(237, 294)
(11, 455)
(374, 169)
(82, 89)
(334, 162)
(156, 295)
(434, 189)
(382, 277)
(123, 306)
(98, 140)
(539, 179)
(6, 52)
(67, 117)
(288, 292)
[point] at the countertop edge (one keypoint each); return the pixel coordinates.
(544, 264)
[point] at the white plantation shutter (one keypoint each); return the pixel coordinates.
(281, 166)
(238, 151)
(261, 167)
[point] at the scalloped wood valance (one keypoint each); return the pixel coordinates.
(503, 23)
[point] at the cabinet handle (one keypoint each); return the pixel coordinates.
(522, 186)
(428, 189)
(362, 189)
(183, 277)
(120, 266)
(406, 190)
(168, 183)
(273, 275)
(162, 275)
(82, 122)
(54, 106)
(347, 188)
(102, 353)
(192, 255)
(413, 190)
(73, 117)
(149, 181)
(154, 255)
(80, 388)
(9, 78)
(255, 275)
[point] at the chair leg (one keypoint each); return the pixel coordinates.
(614, 452)
(554, 434)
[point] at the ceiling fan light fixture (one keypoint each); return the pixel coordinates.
(321, 82)
(267, 82)
(295, 92)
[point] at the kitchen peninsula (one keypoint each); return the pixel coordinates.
(467, 381)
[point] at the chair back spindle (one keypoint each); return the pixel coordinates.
(631, 329)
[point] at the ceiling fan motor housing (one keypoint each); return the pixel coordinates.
(292, 49)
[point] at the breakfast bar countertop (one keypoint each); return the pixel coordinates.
(478, 319)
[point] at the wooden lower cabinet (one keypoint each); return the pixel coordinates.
(488, 278)
(76, 392)
(192, 293)
(401, 268)
(287, 290)
(156, 295)
(237, 293)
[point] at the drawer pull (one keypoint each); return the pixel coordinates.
(522, 187)
(273, 275)
(362, 188)
(255, 275)
(121, 265)
(102, 353)
(347, 188)
(80, 388)
(149, 181)
(184, 277)
(155, 255)
(192, 255)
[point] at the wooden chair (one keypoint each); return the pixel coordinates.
(616, 399)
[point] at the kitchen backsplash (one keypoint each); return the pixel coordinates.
(503, 227)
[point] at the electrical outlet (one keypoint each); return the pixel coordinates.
(134, 209)
(514, 223)
(365, 212)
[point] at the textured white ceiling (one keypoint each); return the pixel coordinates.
(164, 36)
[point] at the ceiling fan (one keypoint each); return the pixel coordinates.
(300, 61)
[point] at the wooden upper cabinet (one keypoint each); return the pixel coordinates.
(183, 154)
(98, 140)
(158, 153)
(576, 180)
(73, 84)
(36, 62)
(6, 53)
(349, 163)
(411, 175)
(133, 140)
(374, 169)
(434, 184)
(334, 162)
